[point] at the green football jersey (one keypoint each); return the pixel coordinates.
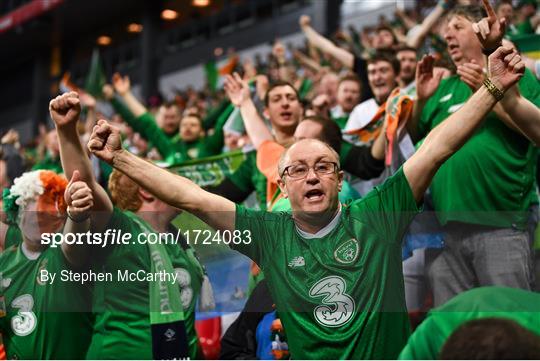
(44, 321)
(340, 295)
(501, 302)
(122, 327)
(491, 179)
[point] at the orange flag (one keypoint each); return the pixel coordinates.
(398, 110)
(371, 130)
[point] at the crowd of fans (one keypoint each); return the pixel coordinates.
(398, 107)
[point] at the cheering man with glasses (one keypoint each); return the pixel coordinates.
(334, 272)
(300, 171)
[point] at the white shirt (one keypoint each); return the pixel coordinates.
(362, 114)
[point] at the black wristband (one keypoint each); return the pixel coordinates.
(488, 52)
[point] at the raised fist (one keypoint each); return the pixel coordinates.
(105, 141)
(65, 109)
(505, 67)
(304, 20)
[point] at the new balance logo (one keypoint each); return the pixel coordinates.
(169, 334)
(297, 262)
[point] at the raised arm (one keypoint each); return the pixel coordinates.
(122, 85)
(238, 92)
(144, 124)
(175, 190)
(407, 21)
(524, 114)
(428, 79)
(306, 61)
(490, 30)
(65, 110)
(89, 102)
(345, 57)
(506, 68)
(428, 23)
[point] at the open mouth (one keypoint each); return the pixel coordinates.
(286, 115)
(314, 195)
(452, 47)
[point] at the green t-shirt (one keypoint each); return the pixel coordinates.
(49, 163)
(525, 27)
(515, 304)
(122, 326)
(44, 321)
(490, 180)
(347, 195)
(341, 121)
(339, 296)
(247, 177)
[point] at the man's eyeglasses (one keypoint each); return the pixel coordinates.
(298, 171)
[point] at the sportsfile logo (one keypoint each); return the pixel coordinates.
(297, 262)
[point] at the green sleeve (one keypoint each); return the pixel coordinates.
(242, 175)
(147, 127)
(305, 87)
(525, 27)
(213, 116)
(213, 144)
(388, 208)
(258, 233)
(126, 114)
(151, 132)
(529, 88)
